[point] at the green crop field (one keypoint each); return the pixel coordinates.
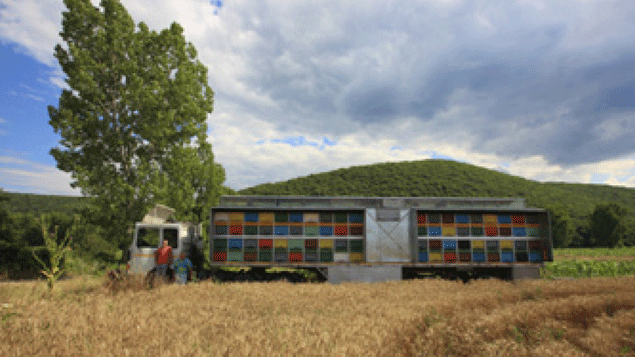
(591, 262)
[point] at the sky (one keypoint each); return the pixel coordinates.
(544, 90)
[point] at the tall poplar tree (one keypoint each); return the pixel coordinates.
(132, 123)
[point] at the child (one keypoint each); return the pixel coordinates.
(182, 266)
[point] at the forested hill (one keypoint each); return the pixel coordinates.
(441, 178)
(38, 204)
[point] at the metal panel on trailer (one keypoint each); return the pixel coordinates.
(364, 273)
(388, 235)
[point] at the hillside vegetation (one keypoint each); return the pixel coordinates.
(440, 178)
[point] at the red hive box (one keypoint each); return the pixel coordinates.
(220, 256)
(265, 243)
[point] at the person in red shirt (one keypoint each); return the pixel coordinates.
(163, 258)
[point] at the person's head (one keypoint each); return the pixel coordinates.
(165, 243)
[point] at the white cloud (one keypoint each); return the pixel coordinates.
(490, 83)
(26, 176)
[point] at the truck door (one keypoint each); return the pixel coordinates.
(387, 235)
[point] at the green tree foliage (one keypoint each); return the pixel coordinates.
(607, 224)
(561, 226)
(133, 122)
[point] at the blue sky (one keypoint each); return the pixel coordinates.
(539, 89)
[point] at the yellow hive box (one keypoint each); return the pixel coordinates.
(221, 216)
(237, 216)
(312, 217)
(281, 243)
(448, 231)
(326, 243)
(507, 244)
(435, 257)
(357, 257)
(266, 217)
(476, 244)
(490, 218)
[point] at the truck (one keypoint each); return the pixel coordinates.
(369, 239)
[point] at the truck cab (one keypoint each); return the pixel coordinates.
(183, 237)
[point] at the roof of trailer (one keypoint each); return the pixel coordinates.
(439, 203)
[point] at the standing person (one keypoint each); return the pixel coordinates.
(163, 258)
(182, 268)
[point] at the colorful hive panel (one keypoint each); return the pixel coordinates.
(477, 231)
(449, 257)
(519, 232)
(266, 230)
(505, 232)
(464, 245)
(251, 257)
(435, 257)
(422, 231)
(478, 244)
(235, 256)
(311, 256)
(449, 231)
(221, 216)
(491, 231)
(356, 218)
(281, 217)
(296, 244)
(341, 217)
(310, 243)
(434, 244)
(357, 231)
(236, 216)
(357, 257)
(341, 230)
(282, 230)
(434, 218)
(326, 231)
(326, 243)
(221, 230)
(423, 257)
(476, 218)
(462, 218)
(504, 219)
(295, 257)
(311, 231)
(265, 256)
(295, 217)
(421, 218)
(251, 230)
(235, 244)
(266, 217)
(518, 219)
(423, 245)
(312, 217)
(434, 231)
(463, 231)
(465, 257)
(295, 230)
(447, 218)
(326, 218)
(490, 218)
(281, 243)
(236, 230)
(265, 243)
(251, 217)
(220, 256)
(449, 244)
(341, 246)
(507, 244)
(326, 255)
(357, 245)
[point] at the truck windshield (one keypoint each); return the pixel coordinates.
(148, 237)
(172, 236)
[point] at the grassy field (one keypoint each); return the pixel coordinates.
(591, 262)
(580, 317)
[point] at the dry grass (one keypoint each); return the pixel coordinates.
(583, 317)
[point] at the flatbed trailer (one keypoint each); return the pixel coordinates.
(375, 239)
